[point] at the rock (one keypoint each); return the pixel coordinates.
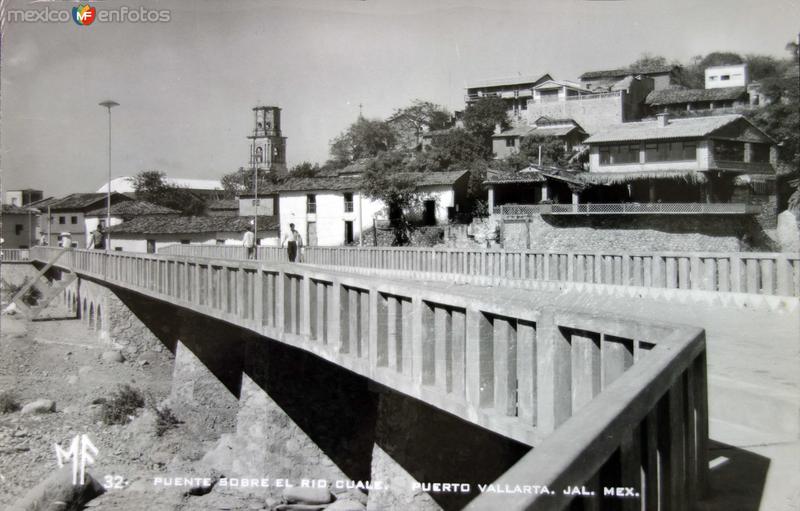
(112, 356)
(312, 496)
(59, 488)
(39, 406)
(346, 505)
(72, 380)
(11, 309)
(143, 362)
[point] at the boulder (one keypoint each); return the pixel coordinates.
(39, 406)
(346, 505)
(314, 496)
(112, 356)
(57, 489)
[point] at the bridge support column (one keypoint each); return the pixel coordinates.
(198, 394)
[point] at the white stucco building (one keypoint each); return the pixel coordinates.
(151, 233)
(332, 211)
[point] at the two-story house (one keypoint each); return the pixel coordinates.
(681, 161)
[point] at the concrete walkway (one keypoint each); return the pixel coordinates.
(754, 388)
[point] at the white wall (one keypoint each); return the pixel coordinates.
(91, 223)
(737, 76)
(330, 216)
(138, 242)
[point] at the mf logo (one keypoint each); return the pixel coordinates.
(84, 14)
(81, 451)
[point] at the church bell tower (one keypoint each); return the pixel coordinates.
(267, 146)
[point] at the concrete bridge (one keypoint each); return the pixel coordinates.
(432, 382)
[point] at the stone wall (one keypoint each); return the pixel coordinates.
(633, 233)
(106, 313)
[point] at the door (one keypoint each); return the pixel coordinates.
(429, 215)
(151, 246)
(348, 232)
(312, 234)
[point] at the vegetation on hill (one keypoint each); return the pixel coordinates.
(151, 186)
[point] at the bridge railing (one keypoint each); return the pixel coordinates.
(13, 255)
(604, 401)
(764, 273)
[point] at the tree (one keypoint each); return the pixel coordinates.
(553, 152)
(364, 138)
(386, 179)
(646, 61)
(304, 169)
(482, 116)
(241, 181)
(410, 122)
(457, 148)
(150, 186)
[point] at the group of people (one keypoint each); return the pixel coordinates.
(291, 240)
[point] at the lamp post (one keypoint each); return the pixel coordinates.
(109, 104)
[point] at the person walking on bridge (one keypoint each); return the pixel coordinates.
(293, 243)
(249, 242)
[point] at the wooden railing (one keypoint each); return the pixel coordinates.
(763, 273)
(628, 208)
(605, 401)
(11, 255)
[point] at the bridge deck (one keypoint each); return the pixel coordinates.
(554, 371)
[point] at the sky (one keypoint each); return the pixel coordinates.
(187, 87)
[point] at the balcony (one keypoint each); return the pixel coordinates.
(631, 208)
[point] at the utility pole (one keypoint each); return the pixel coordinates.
(109, 104)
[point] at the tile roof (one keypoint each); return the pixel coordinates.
(614, 73)
(353, 183)
(547, 131)
(223, 204)
(171, 224)
(78, 201)
(508, 81)
(675, 96)
(685, 127)
(10, 209)
(133, 208)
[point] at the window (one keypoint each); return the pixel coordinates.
(62, 220)
(220, 242)
(311, 203)
(510, 142)
(151, 246)
(617, 154)
(524, 104)
(759, 153)
(348, 202)
(185, 242)
(118, 249)
(725, 77)
(73, 220)
(18, 229)
(255, 202)
(670, 151)
(728, 150)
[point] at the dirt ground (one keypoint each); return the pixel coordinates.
(60, 359)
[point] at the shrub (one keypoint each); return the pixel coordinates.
(30, 298)
(8, 402)
(123, 404)
(165, 420)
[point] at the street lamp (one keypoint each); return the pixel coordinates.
(109, 104)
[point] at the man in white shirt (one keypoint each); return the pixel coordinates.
(293, 242)
(249, 241)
